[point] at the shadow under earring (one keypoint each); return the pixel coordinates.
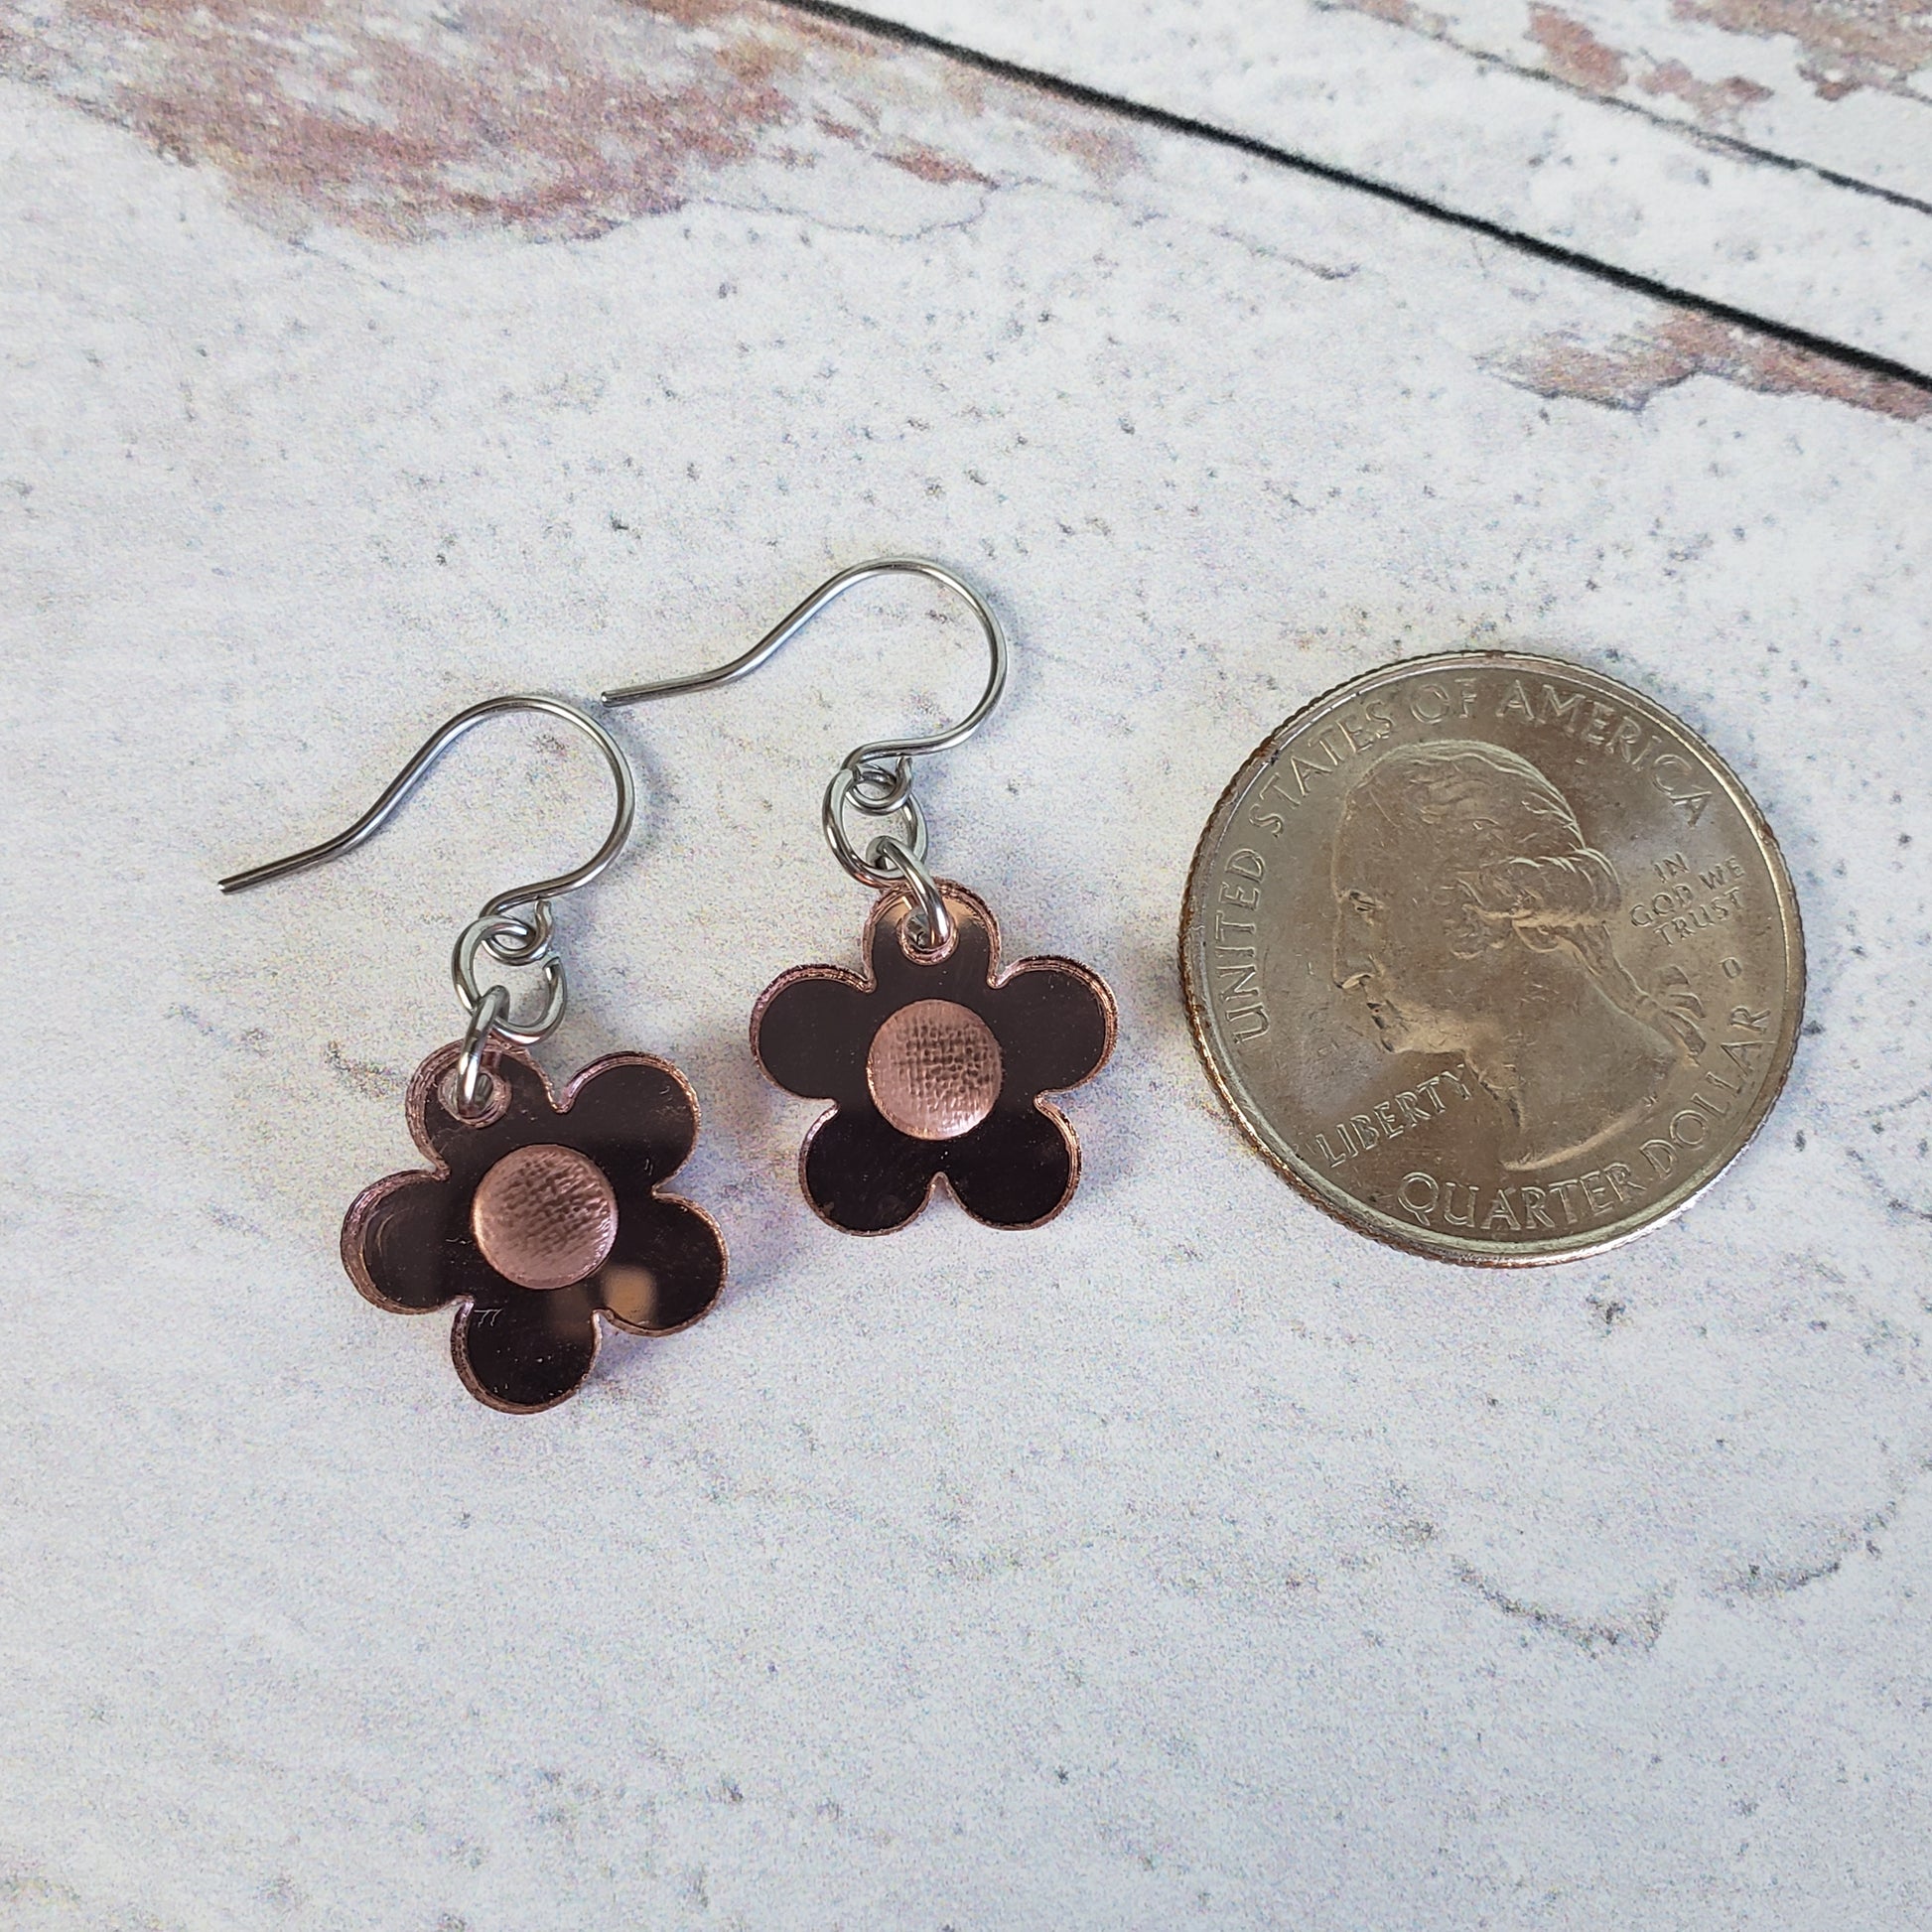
(542, 1215)
(934, 1059)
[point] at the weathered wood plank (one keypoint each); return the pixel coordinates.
(1832, 85)
(1396, 93)
(1190, 1559)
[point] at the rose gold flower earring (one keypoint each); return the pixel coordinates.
(933, 1059)
(541, 1212)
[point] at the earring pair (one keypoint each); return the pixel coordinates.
(542, 1214)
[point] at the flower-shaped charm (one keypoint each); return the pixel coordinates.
(540, 1216)
(935, 1064)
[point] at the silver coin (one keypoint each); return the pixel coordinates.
(1492, 958)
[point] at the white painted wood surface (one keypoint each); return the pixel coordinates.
(1574, 140)
(1841, 85)
(1191, 1560)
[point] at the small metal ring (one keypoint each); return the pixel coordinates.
(833, 819)
(520, 941)
(877, 790)
(930, 917)
(463, 971)
(469, 1075)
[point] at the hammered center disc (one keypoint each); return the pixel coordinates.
(934, 1069)
(544, 1216)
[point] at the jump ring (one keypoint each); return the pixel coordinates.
(463, 971)
(855, 862)
(930, 927)
(489, 1011)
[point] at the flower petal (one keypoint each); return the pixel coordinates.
(633, 1115)
(904, 977)
(517, 1109)
(863, 1175)
(1016, 1168)
(522, 1349)
(407, 1245)
(1055, 1022)
(811, 1031)
(665, 1269)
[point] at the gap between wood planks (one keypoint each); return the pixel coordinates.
(1169, 123)
(1711, 136)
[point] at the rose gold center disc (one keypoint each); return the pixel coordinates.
(934, 1069)
(544, 1216)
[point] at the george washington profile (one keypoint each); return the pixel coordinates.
(1473, 918)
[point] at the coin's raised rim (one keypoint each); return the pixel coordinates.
(1367, 1220)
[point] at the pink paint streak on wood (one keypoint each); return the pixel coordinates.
(1717, 103)
(1400, 13)
(557, 122)
(1629, 370)
(1847, 44)
(1574, 53)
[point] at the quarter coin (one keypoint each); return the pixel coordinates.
(1492, 958)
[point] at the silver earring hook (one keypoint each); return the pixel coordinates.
(865, 757)
(876, 777)
(413, 774)
(515, 942)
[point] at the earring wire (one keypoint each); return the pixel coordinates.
(512, 940)
(876, 777)
(413, 774)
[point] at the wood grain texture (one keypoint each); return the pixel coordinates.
(1581, 128)
(1189, 1559)
(421, 121)
(1832, 85)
